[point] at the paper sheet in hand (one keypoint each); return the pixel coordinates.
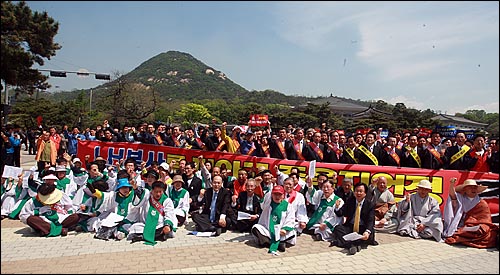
(11, 172)
(352, 236)
(471, 228)
(243, 216)
(26, 175)
(277, 235)
(312, 169)
(112, 219)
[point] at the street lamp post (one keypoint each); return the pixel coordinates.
(90, 102)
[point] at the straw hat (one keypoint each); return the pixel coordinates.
(425, 184)
(470, 182)
(51, 198)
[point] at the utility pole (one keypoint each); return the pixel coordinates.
(90, 101)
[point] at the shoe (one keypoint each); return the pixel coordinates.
(334, 243)
(64, 232)
(375, 243)
(120, 235)
(352, 250)
(217, 232)
(358, 248)
(281, 247)
(78, 228)
(317, 237)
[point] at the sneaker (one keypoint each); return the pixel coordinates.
(120, 235)
(281, 247)
(64, 232)
(317, 237)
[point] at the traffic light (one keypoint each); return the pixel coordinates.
(102, 76)
(57, 74)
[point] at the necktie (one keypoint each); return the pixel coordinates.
(212, 208)
(356, 218)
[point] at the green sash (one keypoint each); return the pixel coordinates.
(61, 184)
(368, 154)
(275, 218)
(323, 205)
(176, 196)
(51, 215)
(14, 214)
(154, 213)
(123, 203)
(459, 154)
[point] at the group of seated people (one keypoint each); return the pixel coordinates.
(127, 200)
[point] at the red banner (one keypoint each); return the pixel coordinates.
(259, 120)
(399, 180)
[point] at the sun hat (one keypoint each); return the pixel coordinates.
(50, 177)
(470, 182)
(60, 168)
(122, 183)
(99, 158)
(425, 184)
(278, 189)
(165, 166)
(51, 198)
(177, 178)
(77, 160)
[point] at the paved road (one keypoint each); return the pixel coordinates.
(23, 252)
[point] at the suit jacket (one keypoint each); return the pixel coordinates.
(363, 159)
(311, 155)
(409, 161)
(367, 218)
(222, 204)
(346, 158)
(429, 161)
(329, 154)
(275, 151)
(194, 188)
(459, 164)
(388, 160)
(242, 202)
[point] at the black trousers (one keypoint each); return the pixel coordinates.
(344, 229)
(203, 223)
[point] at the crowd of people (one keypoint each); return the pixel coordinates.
(129, 200)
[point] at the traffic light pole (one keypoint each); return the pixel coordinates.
(63, 74)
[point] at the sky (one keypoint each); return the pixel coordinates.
(442, 56)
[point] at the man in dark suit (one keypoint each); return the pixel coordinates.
(412, 153)
(433, 156)
(369, 152)
(456, 156)
(193, 184)
(248, 202)
(390, 154)
(281, 147)
(216, 215)
(365, 221)
(316, 151)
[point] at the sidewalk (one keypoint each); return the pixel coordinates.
(23, 252)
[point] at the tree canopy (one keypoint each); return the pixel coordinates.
(27, 38)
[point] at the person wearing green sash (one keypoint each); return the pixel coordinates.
(324, 220)
(127, 201)
(64, 183)
(16, 196)
(50, 213)
(180, 198)
(90, 205)
(276, 222)
(157, 220)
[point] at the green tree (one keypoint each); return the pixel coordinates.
(191, 112)
(27, 37)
